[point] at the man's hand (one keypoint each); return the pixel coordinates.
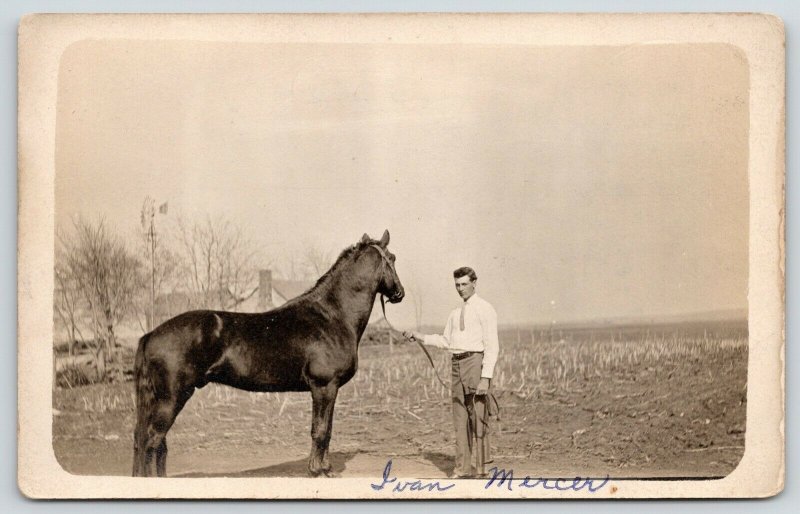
(483, 387)
(413, 336)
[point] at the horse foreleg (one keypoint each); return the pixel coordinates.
(323, 400)
(326, 464)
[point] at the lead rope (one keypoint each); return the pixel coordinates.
(491, 395)
(428, 355)
(477, 442)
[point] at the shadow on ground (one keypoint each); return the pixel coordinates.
(442, 461)
(297, 468)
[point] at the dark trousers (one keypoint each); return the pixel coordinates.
(470, 418)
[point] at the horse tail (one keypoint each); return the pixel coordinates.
(145, 399)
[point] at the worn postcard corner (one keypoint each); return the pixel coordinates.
(401, 256)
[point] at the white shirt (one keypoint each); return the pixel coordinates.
(479, 334)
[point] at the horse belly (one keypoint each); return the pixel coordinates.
(258, 375)
(264, 386)
(269, 381)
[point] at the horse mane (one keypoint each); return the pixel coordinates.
(325, 278)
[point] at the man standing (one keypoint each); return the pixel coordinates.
(470, 335)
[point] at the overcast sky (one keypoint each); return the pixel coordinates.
(580, 183)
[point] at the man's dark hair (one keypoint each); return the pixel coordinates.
(464, 272)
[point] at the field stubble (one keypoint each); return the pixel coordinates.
(668, 404)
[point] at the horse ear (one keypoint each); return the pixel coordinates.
(385, 238)
(365, 238)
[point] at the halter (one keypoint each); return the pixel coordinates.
(384, 262)
(384, 257)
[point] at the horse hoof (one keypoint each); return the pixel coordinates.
(328, 473)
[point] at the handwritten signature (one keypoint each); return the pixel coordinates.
(576, 484)
(497, 477)
(415, 485)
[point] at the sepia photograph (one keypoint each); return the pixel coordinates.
(500, 266)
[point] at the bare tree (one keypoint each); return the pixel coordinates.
(67, 300)
(106, 274)
(165, 275)
(219, 265)
(238, 275)
(317, 261)
(416, 295)
(309, 264)
(292, 267)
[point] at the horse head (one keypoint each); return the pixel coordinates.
(389, 284)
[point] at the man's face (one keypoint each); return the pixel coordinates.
(465, 287)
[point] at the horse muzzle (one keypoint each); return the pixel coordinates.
(397, 297)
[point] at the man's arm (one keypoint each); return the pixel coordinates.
(491, 346)
(435, 340)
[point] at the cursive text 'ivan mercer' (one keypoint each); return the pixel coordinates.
(497, 477)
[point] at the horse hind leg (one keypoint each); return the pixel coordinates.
(163, 386)
(145, 402)
(155, 462)
(155, 447)
(151, 443)
(160, 402)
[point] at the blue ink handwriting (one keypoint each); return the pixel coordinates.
(502, 476)
(414, 485)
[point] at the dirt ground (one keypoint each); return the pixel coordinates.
(676, 419)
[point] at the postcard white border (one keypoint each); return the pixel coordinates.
(43, 39)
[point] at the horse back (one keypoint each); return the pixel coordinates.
(285, 349)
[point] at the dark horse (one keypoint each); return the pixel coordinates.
(307, 344)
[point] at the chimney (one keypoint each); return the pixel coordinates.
(264, 289)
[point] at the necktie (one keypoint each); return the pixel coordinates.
(461, 322)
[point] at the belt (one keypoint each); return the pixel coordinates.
(459, 356)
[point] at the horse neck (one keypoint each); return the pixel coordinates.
(352, 287)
